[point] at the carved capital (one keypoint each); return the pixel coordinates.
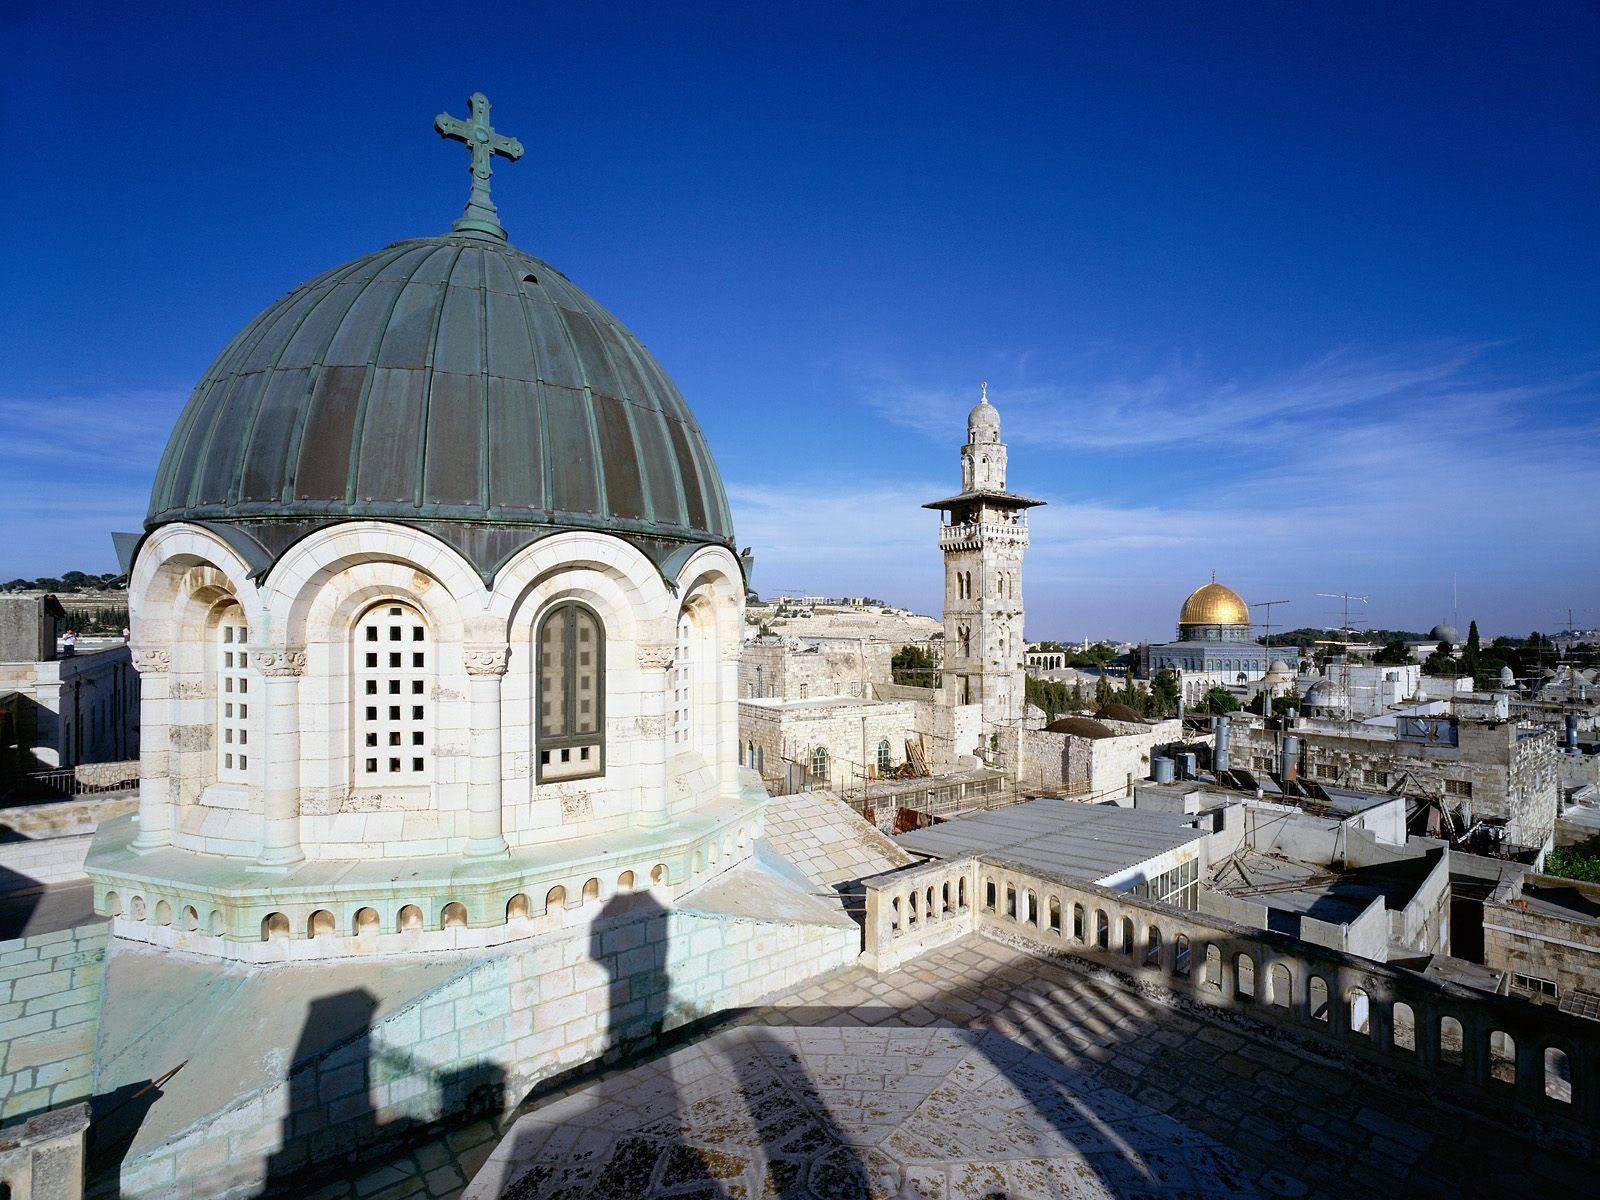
(485, 659)
(278, 662)
(152, 662)
(657, 657)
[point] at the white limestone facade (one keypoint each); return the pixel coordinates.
(268, 785)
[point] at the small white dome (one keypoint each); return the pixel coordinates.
(983, 422)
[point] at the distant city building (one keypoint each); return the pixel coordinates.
(66, 701)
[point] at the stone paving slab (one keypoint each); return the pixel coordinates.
(1012, 1076)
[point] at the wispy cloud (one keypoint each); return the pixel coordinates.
(1185, 404)
(1387, 472)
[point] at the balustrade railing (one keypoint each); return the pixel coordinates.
(1532, 1057)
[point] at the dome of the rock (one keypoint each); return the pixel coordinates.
(1214, 604)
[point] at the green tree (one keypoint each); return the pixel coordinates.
(1217, 700)
(914, 666)
(1164, 693)
(1580, 862)
(1441, 662)
(1394, 654)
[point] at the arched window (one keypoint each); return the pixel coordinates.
(682, 684)
(1317, 998)
(1403, 1026)
(884, 758)
(819, 764)
(761, 760)
(571, 693)
(393, 677)
(233, 696)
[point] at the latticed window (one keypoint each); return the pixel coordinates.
(819, 764)
(233, 697)
(885, 760)
(571, 693)
(393, 674)
(682, 683)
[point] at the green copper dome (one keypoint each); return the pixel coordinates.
(450, 381)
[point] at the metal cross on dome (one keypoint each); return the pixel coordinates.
(481, 215)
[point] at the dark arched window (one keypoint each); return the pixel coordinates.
(885, 758)
(570, 693)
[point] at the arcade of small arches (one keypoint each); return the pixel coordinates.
(466, 914)
(368, 696)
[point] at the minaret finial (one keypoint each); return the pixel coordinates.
(984, 398)
(480, 216)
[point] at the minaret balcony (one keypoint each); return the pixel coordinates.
(974, 535)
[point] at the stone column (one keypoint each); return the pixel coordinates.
(727, 729)
(155, 748)
(654, 663)
(280, 669)
(486, 667)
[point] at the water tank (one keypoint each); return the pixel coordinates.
(1161, 769)
(1219, 755)
(1186, 767)
(1289, 758)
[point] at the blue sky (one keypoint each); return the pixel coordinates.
(1305, 294)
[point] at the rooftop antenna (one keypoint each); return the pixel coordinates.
(1455, 604)
(1346, 627)
(1267, 624)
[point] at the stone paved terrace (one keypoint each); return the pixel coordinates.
(981, 1071)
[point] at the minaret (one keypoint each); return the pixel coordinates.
(983, 538)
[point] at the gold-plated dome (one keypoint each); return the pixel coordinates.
(1214, 604)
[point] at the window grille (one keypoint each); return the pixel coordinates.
(819, 764)
(885, 761)
(1458, 787)
(571, 693)
(682, 683)
(393, 673)
(233, 698)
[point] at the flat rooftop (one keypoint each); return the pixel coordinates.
(980, 1070)
(1569, 903)
(1082, 841)
(1298, 889)
(813, 703)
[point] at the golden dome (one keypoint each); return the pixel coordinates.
(1214, 604)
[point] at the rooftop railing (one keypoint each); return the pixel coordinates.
(1511, 1053)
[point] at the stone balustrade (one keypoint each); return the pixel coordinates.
(1534, 1058)
(917, 909)
(969, 534)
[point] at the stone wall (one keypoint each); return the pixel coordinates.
(47, 842)
(42, 1159)
(791, 670)
(1539, 943)
(1063, 764)
(792, 733)
(50, 990)
(484, 1038)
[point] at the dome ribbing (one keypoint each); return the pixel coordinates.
(451, 379)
